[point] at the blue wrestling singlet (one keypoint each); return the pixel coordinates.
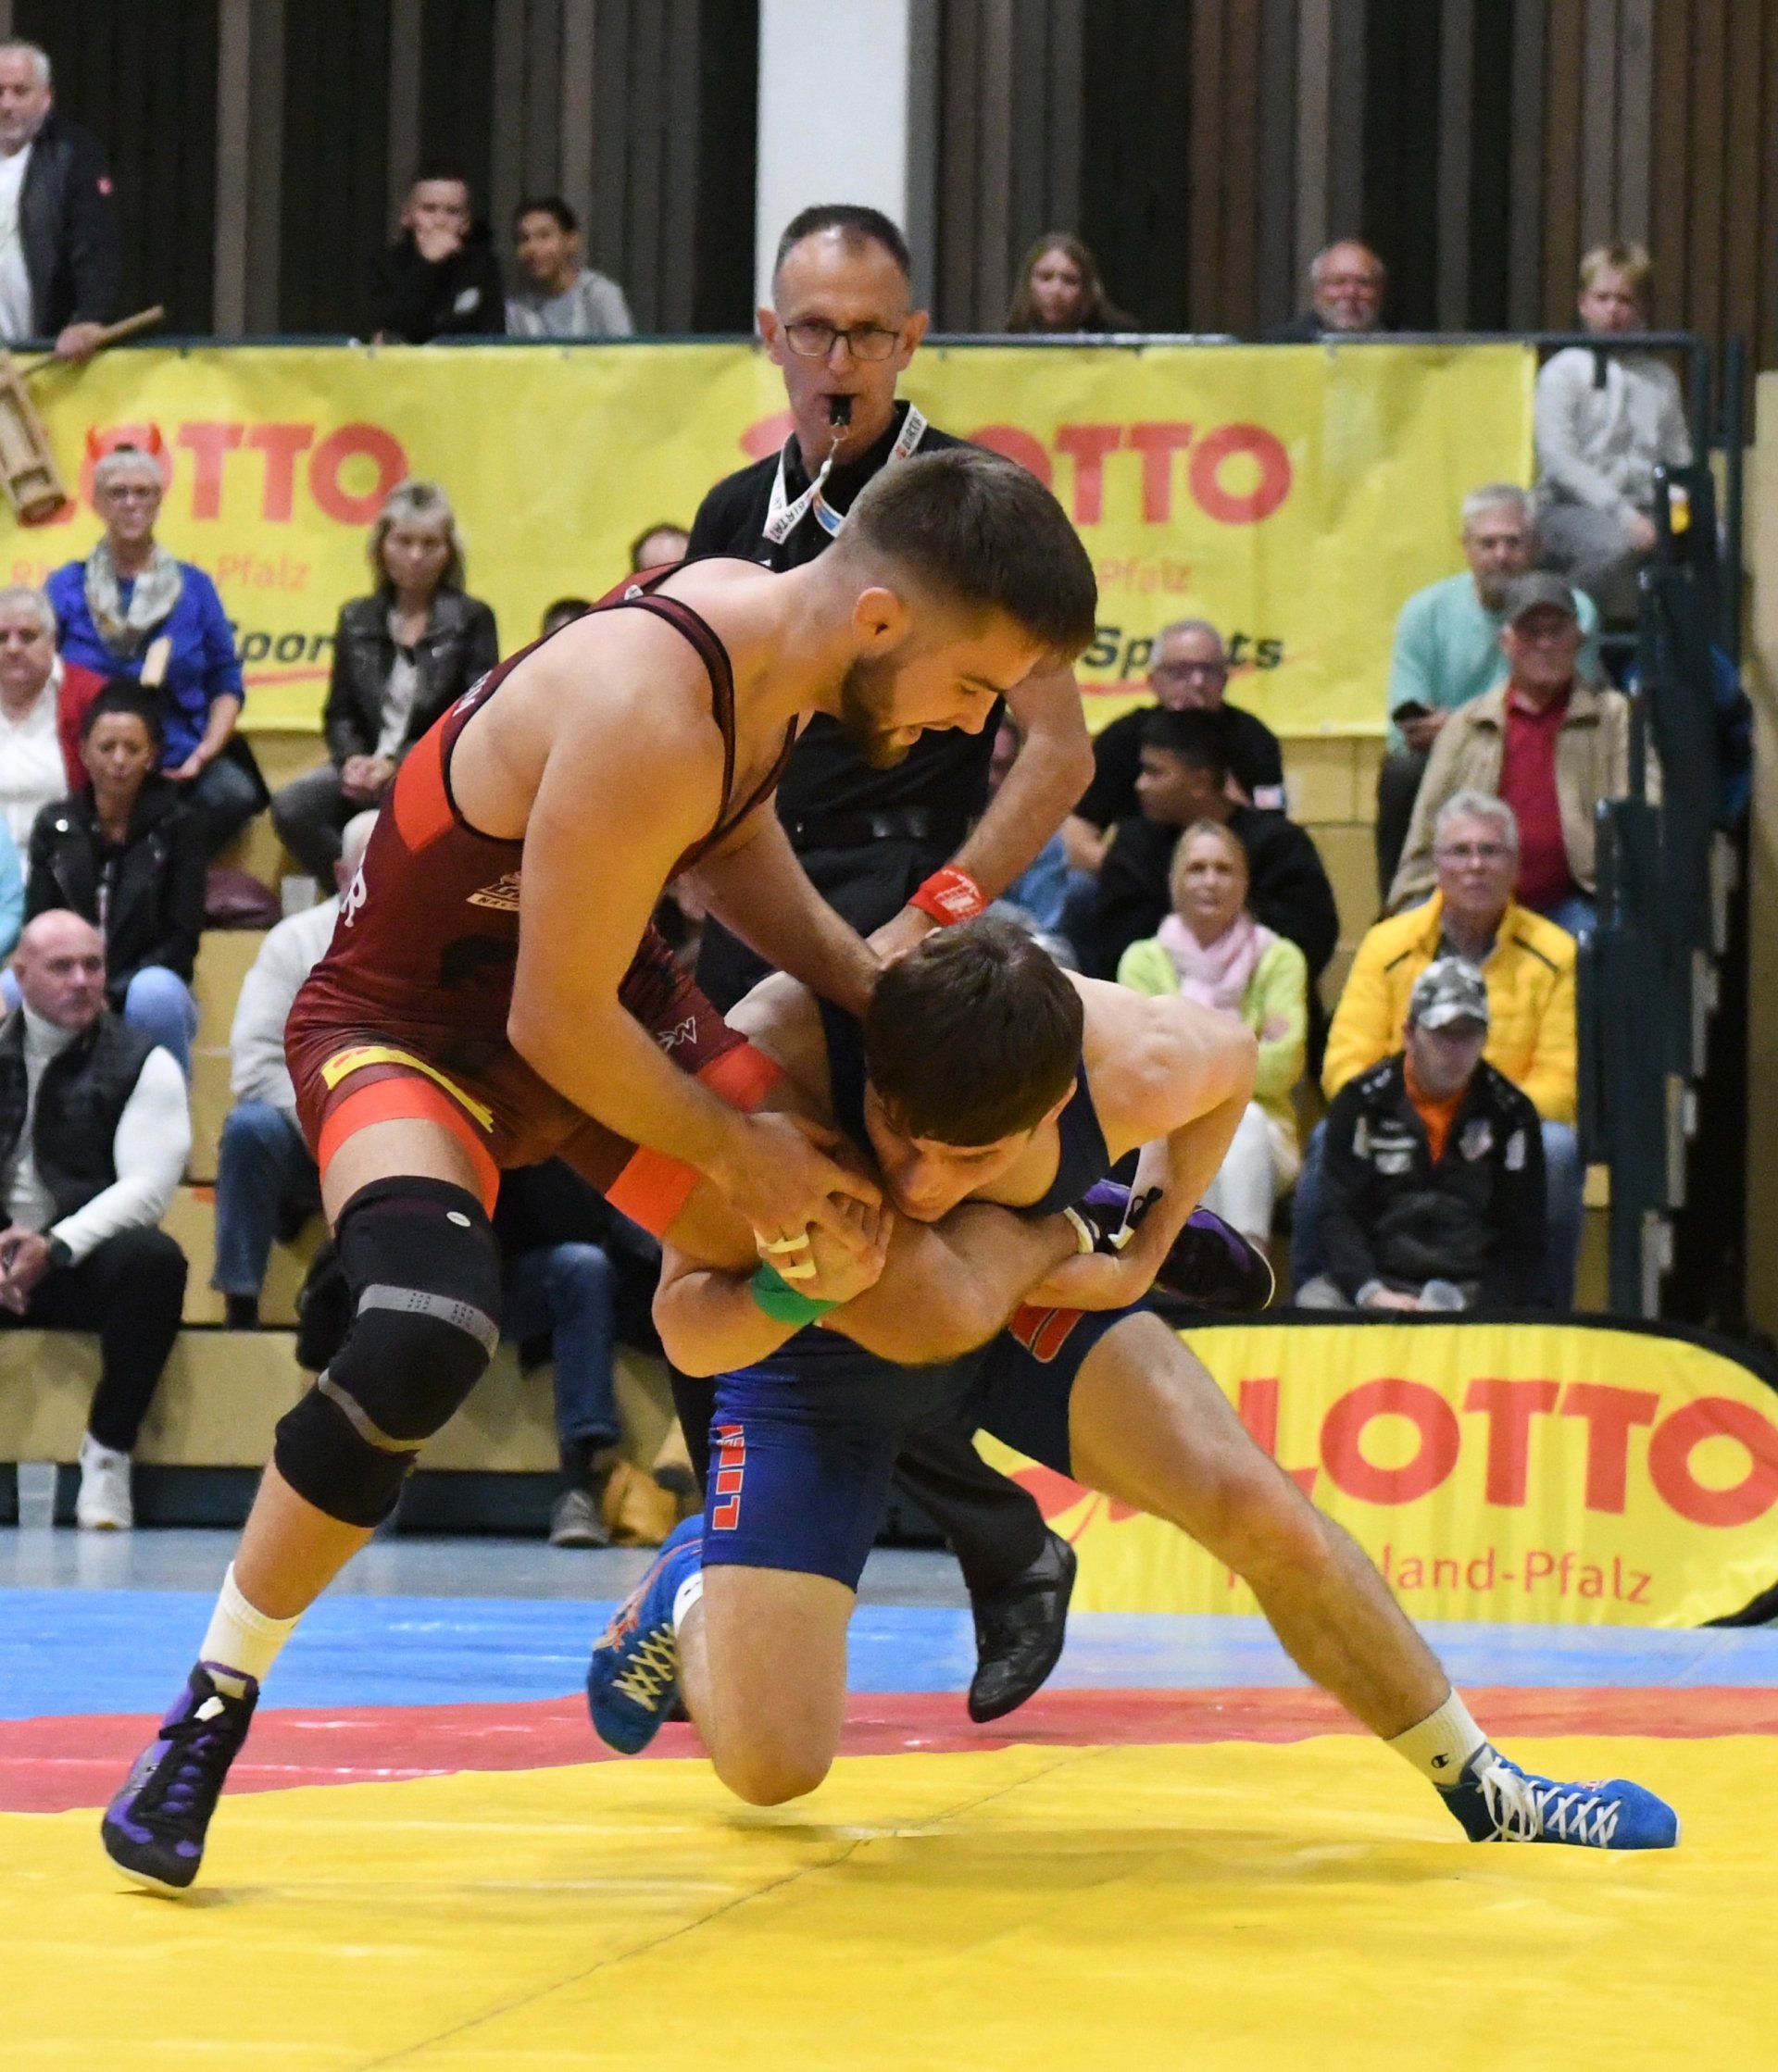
(803, 1443)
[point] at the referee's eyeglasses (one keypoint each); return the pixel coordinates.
(811, 338)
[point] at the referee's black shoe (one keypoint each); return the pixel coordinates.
(1019, 1631)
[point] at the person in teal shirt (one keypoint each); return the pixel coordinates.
(1447, 651)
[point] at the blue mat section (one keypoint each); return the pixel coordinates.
(100, 1651)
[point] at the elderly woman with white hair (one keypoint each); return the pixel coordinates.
(42, 697)
(131, 610)
(401, 656)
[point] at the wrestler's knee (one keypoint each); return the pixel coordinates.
(768, 1772)
(424, 1268)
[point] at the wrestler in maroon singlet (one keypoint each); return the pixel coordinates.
(405, 1016)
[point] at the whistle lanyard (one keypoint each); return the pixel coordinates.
(783, 517)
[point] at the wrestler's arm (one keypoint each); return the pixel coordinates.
(934, 1291)
(756, 887)
(1174, 1077)
(616, 804)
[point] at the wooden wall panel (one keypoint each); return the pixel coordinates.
(336, 177)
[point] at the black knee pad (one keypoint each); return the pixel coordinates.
(422, 1267)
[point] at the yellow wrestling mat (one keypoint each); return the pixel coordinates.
(1229, 1905)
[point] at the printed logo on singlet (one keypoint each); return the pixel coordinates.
(731, 1467)
(502, 896)
(1043, 1332)
(681, 1032)
(355, 896)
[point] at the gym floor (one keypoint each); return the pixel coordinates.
(1175, 1856)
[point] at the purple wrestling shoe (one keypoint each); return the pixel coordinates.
(153, 1830)
(1210, 1265)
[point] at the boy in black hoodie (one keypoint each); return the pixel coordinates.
(440, 278)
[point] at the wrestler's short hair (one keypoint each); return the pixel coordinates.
(974, 1035)
(983, 530)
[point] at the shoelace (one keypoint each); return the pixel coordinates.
(179, 1778)
(1524, 1813)
(652, 1668)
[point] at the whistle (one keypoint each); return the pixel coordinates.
(839, 412)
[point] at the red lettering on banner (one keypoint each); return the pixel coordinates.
(281, 443)
(1157, 443)
(1670, 1462)
(1509, 1406)
(1440, 1439)
(1086, 445)
(1016, 444)
(1611, 1415)
(329, 460)
(207, 442)
(1222, 445)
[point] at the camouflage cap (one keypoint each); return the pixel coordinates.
(1528, 593)
(1448, 990)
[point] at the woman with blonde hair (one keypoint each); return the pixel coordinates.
(1059, 291)
(1211, 948)
(401, 656)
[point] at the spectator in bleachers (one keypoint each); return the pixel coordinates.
(1447, 652)
(1604, 422)
(1188, 672)
(1433, 1180)
(93, 1135)
(440, 278)
(1550, 745)
(43, 698)
(1211, 949)
(59, 262)
(562, 297)
(1183, 778)
(1038, 897)
(1059, 291)
(400, 657)
(126, 854)
(1346, 282)
(563, 612)
(1527, 964)
(658, 547)
(265, 1182)
(577, 1275)
(131, 610)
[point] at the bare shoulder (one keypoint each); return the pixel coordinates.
(782, 1017)
(1155, 1063)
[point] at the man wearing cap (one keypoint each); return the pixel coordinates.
(1551, 747)
(1433, 1180)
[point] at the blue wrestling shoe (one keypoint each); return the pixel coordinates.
(1209, 1264)
(632, 1680)
(153, 1830)
(1496, 1801)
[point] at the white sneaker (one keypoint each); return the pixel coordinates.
(103, 1502)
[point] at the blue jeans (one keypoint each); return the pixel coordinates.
(566, 1290)
(1564, 1183)
(224, 799)
(265, 1178)
(158, 1002)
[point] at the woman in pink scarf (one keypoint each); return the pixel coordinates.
(1211, 948)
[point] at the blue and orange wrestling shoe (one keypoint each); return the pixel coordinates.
(153, 1830)
(1496, 1801)
(632, 1680)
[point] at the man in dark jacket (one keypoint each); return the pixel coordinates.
(93, 1135)
(1183, 778)
(439, 278)
(1346, 284)
(60, 266)
(1434, 1174)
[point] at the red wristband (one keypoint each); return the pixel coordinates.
(950, 895)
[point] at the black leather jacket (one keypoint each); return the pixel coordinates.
(458, 645)
(67, 226)
(155, 910)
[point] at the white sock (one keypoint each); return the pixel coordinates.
(241, 1638)
(688, 1594)
(1443, 1743)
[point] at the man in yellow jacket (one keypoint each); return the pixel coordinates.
(1528, 962)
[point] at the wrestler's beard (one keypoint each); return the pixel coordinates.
(868, 685)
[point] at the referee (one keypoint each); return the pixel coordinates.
(896, 851)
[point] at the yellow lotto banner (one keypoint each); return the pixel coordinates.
(1294, 495)
(1563, 1473)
